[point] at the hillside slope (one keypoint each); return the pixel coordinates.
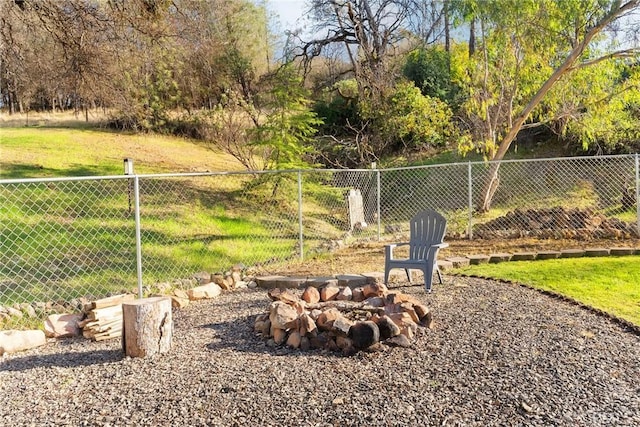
(30, 152)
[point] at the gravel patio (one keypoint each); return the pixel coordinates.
(499, 354)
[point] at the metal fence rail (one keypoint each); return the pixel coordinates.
(63, 239)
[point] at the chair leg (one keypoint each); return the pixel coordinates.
(406, 270)
(439, 275)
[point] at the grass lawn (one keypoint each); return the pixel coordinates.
(39, 152)
(69, 239)
(611, 284)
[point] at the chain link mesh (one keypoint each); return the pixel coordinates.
(63, 240)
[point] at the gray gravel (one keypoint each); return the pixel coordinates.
(499, 354)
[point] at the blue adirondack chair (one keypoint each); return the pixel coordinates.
(426, 239)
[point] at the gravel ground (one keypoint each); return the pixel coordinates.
(500, 354)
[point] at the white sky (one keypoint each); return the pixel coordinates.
(288, 11)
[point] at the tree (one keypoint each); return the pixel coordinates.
(519, 39)
(289, 123)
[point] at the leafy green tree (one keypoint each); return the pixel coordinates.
(415, 120)
(526, 48)
(430, 70)
(289, 125)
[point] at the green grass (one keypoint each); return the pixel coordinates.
(611, 284)
(58, 152)
(64, 240)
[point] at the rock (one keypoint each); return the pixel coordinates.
(407, 307)
(229, 282)
(427, 321)
(202, 277)
(315, 313)
(242, 285)
(180, 294)
(478, 259)
(284, 295)
(210, 290)
(279, 335)
(375, 302)
(421, 310)
(357, 295)
(290, 282)
(319, 341)
(374, 277)
(374, 290)
(266, 328)
(329, 293)
(257, 327)
(341, 325)
(364, 334)
(346, 345)
(305, 343)
(326, 319)
(62, 325)
(398, 341)
(399, 298)
(27, 309)
(14, 312)
(311, 295)
(319, 282)
(282, 315)
(345, 294)
(307, 325)
(252, 284)
(387, 327)
(14, 341)
(221, 281)
(351, 280)
(177, 302)
(407, 326)
(300, 306)
(294, 339)
(236, 277)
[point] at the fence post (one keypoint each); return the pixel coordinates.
(638, 191)
(378, 201)
(301, 234)
(136, 198)
(470, 193)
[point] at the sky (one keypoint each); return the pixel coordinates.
(289, 11)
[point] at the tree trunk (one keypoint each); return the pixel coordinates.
(447, 35)
(147, 326)
(492, 181)
(472, 37)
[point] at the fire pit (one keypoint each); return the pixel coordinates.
(342, 319)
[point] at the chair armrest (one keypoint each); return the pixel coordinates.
(441, 245)
(388, 249)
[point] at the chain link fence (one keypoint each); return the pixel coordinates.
(67, 239)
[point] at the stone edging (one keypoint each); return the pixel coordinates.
(476, 259)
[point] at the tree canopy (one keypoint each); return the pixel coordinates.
(371, 79)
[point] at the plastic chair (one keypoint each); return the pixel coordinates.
(427, 230)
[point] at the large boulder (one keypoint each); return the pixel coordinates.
(15, 341)
(364, 334)
(282, 315)
(210, 290)
(62, 325)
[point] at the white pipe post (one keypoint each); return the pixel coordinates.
(136, 197)
(378, 202)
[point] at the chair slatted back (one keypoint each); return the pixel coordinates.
(427, 228)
